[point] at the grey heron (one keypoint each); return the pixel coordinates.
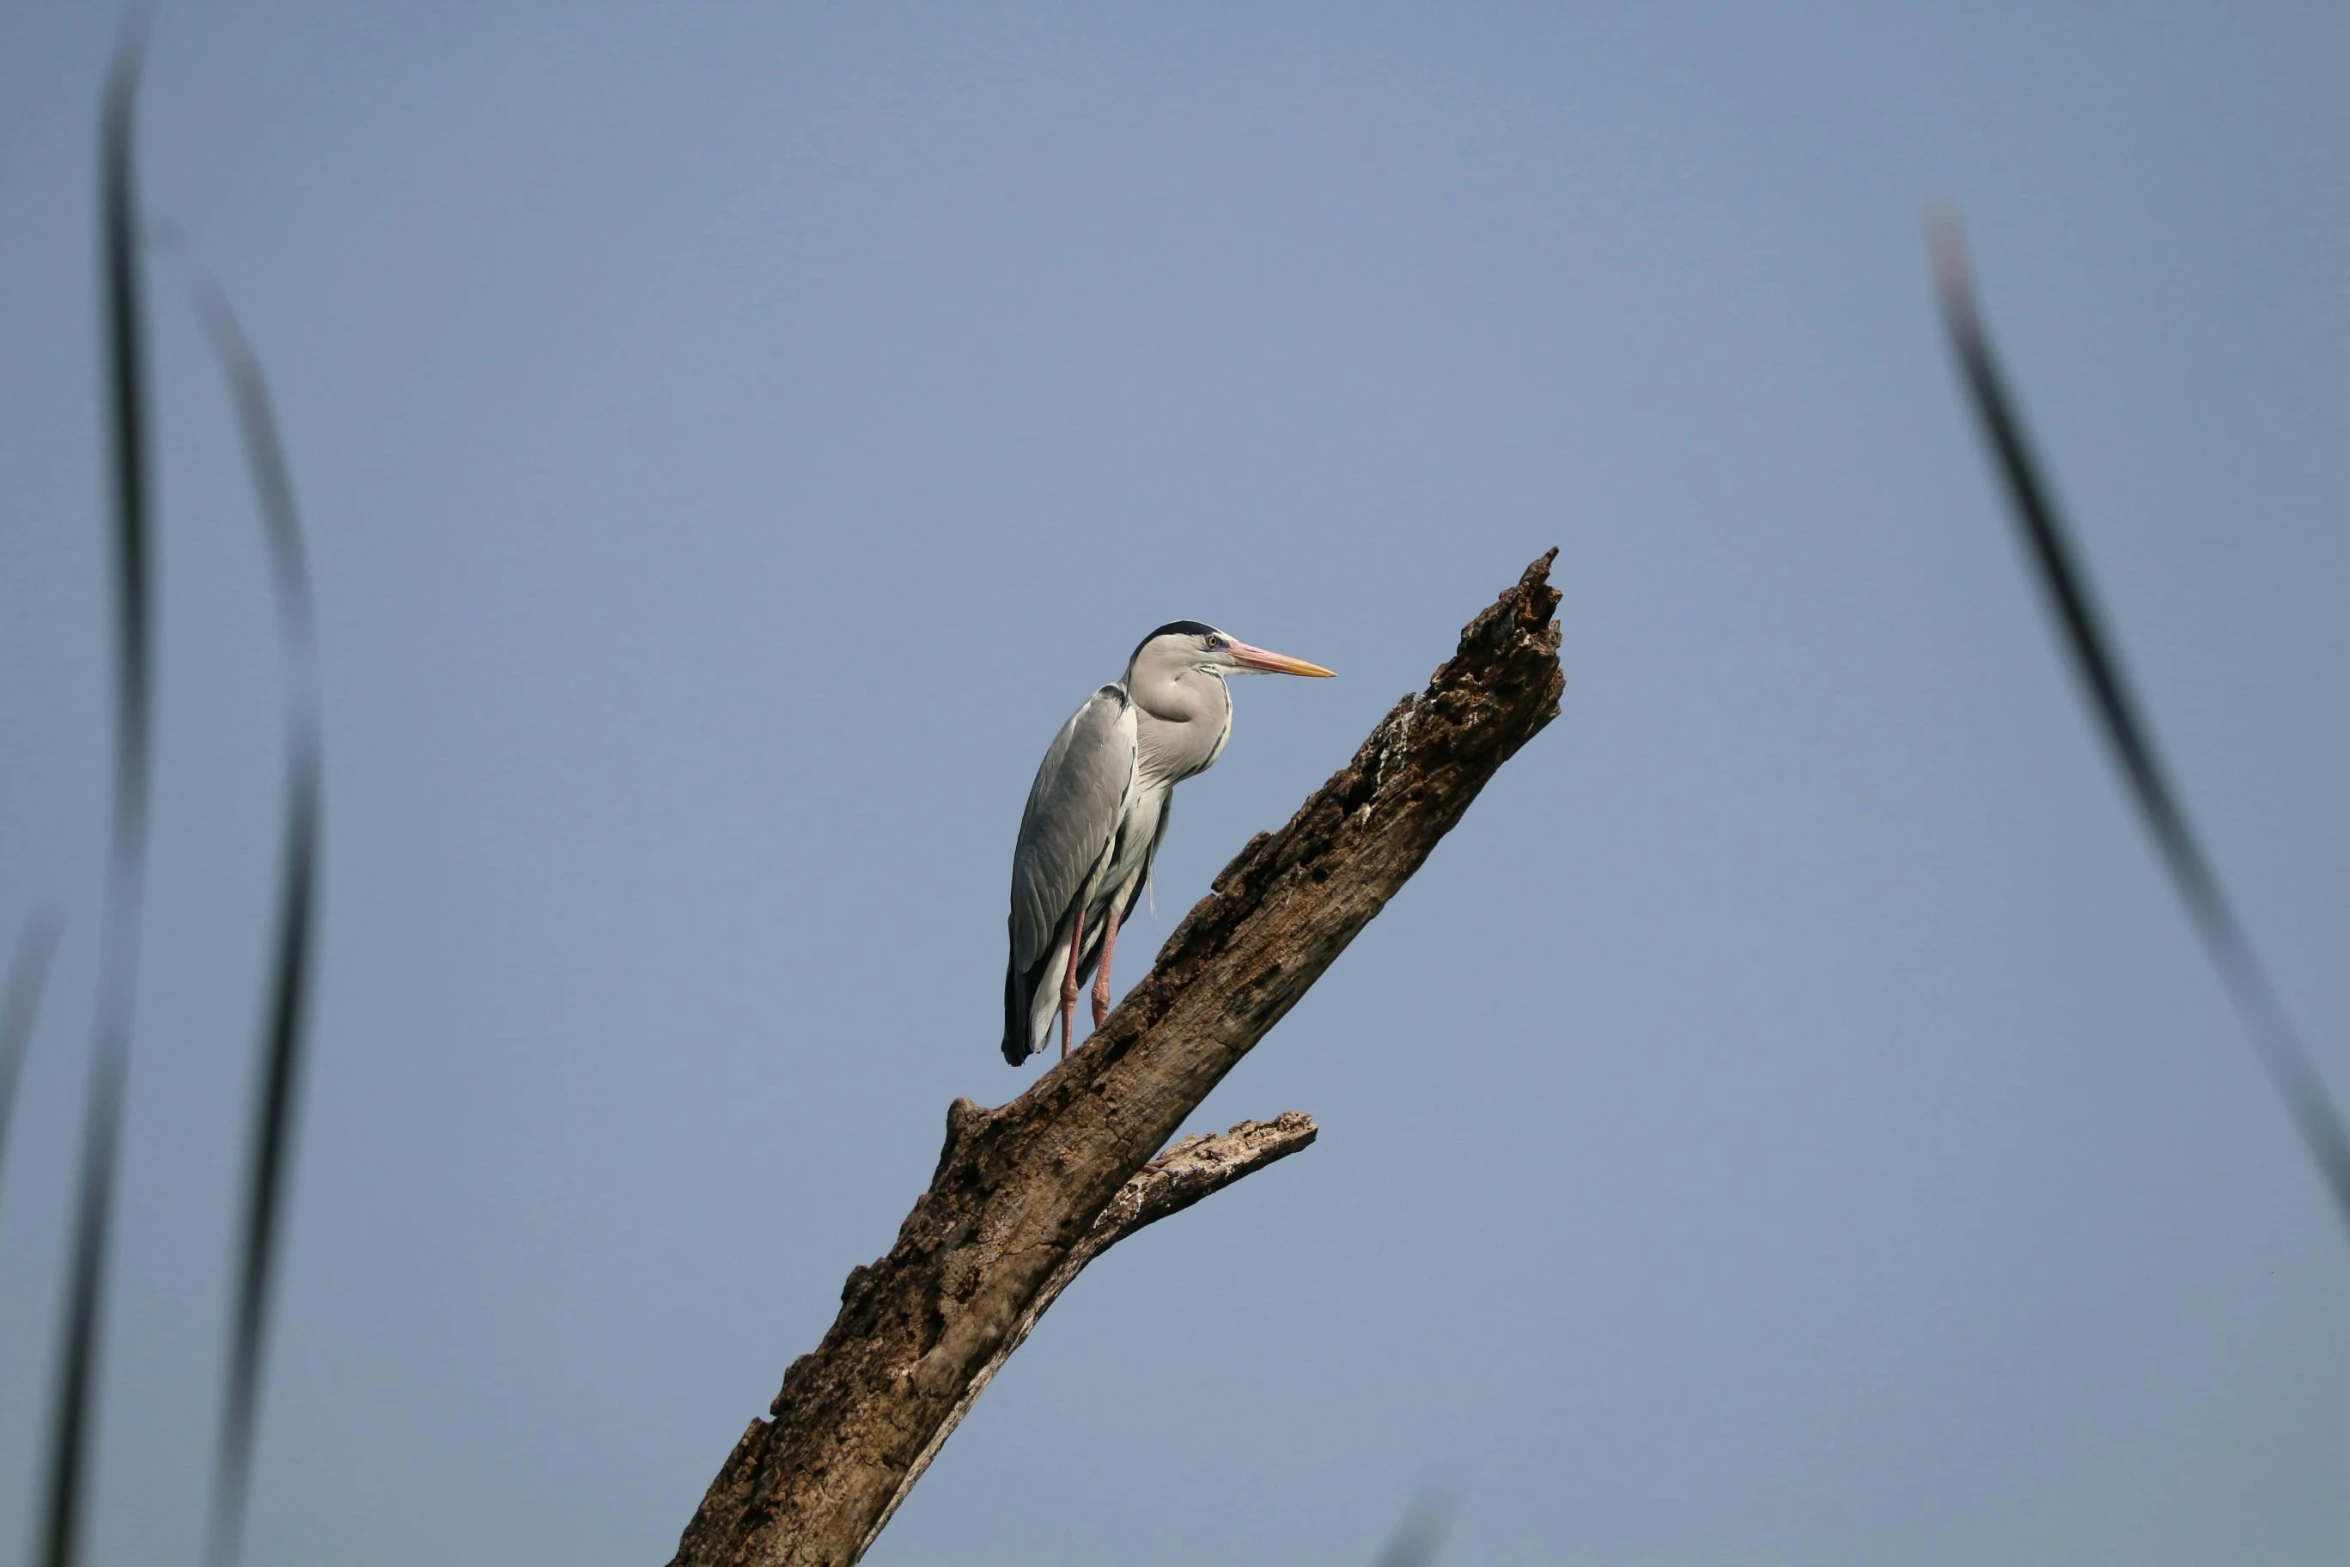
(1098, 811)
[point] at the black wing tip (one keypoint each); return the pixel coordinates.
(1016, 1048)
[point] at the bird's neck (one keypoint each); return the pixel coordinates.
(1180, 722)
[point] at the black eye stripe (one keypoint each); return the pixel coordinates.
(1174, 628)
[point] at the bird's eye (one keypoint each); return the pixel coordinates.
(1216, 642)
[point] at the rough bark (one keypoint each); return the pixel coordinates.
(1026, 1194)
(1169, 1184)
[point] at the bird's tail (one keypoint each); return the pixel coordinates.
(1019, 1041)
(1032, 1000)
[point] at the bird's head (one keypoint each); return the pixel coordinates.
(1183, 647)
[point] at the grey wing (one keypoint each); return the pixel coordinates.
(1074, 808)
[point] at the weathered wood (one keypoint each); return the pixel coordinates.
(1172, 1182)
(1022, 1193)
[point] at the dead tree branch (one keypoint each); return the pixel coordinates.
(1175, 1180)
(1025, 1195)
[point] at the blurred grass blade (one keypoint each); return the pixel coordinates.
(2099, 666)
(277, 1088)
(20, 1004)
(71, 1416)
(1420, 1536)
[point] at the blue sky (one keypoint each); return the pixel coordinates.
(1787, 1121)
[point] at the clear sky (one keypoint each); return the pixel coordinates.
(1788, 1121)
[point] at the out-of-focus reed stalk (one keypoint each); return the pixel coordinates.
(2096, 660)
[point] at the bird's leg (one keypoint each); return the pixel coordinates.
(1101, 978)
(1069, 980)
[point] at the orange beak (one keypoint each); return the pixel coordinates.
(1273, 663)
